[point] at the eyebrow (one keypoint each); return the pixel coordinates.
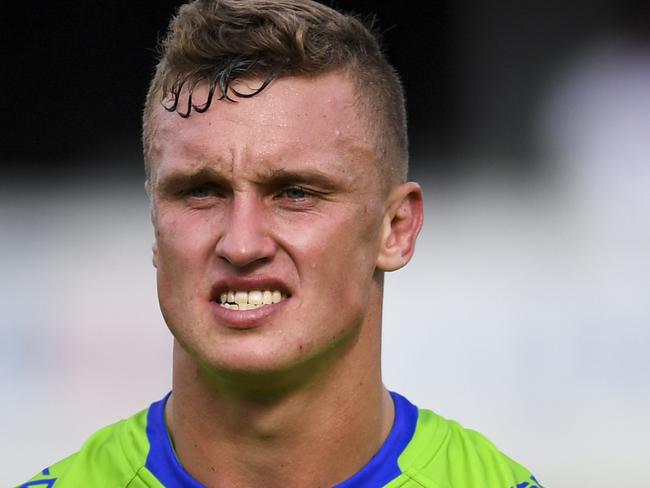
(305, 176)
(175, 181)
(269, 178)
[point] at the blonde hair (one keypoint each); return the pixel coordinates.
(219, 41)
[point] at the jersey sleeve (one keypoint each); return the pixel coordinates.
(107, 459)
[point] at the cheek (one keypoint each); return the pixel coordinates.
(183, 240)
(184, 253)
(181, 267)
(335, 255)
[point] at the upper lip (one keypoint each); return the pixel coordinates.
(248, 283)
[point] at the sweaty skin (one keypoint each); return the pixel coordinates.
(282, 193)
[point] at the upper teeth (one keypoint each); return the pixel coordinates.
(246, 300)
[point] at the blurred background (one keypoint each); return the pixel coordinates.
(525, 313)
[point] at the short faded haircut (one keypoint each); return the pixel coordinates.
(219, 41)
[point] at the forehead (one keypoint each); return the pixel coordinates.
(294, 121)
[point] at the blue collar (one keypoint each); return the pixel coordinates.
(383, 467)
(161, 460)
(380, 470)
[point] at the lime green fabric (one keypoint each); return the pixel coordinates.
(443, 454)
(440, 454)
(112, 457)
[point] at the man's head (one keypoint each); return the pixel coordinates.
(292, 193)
(216, 42)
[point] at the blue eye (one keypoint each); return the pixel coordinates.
(296, 193)
(200, 192)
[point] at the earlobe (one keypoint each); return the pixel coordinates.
(401, 226)
(152, 215)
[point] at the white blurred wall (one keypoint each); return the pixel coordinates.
(521, 315)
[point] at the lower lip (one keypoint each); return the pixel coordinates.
(246, 319)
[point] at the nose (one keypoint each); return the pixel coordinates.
(245, 239)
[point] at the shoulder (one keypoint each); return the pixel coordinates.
(444, 454)
(117, 453)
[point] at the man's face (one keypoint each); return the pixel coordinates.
(273, 198)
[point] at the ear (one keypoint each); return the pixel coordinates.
(401, 226)
(154, 246)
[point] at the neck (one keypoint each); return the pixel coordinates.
(314, 434)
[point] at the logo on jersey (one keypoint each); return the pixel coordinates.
(531, 483)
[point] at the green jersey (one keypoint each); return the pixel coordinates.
(423, 450)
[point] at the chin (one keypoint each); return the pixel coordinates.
(249, 356)
(260, 370)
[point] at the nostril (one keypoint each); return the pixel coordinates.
(244, 260)
(244, 237)
(257, 249)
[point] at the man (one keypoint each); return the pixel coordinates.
(276, 156)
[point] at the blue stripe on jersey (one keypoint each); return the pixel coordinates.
(161, 460)
(43, 483)
(383, 467)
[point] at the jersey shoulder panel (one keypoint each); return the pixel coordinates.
(113, 456)
(443, 454)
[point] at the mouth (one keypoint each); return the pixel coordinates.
(250, 300)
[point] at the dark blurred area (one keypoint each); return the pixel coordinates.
(75, 74)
